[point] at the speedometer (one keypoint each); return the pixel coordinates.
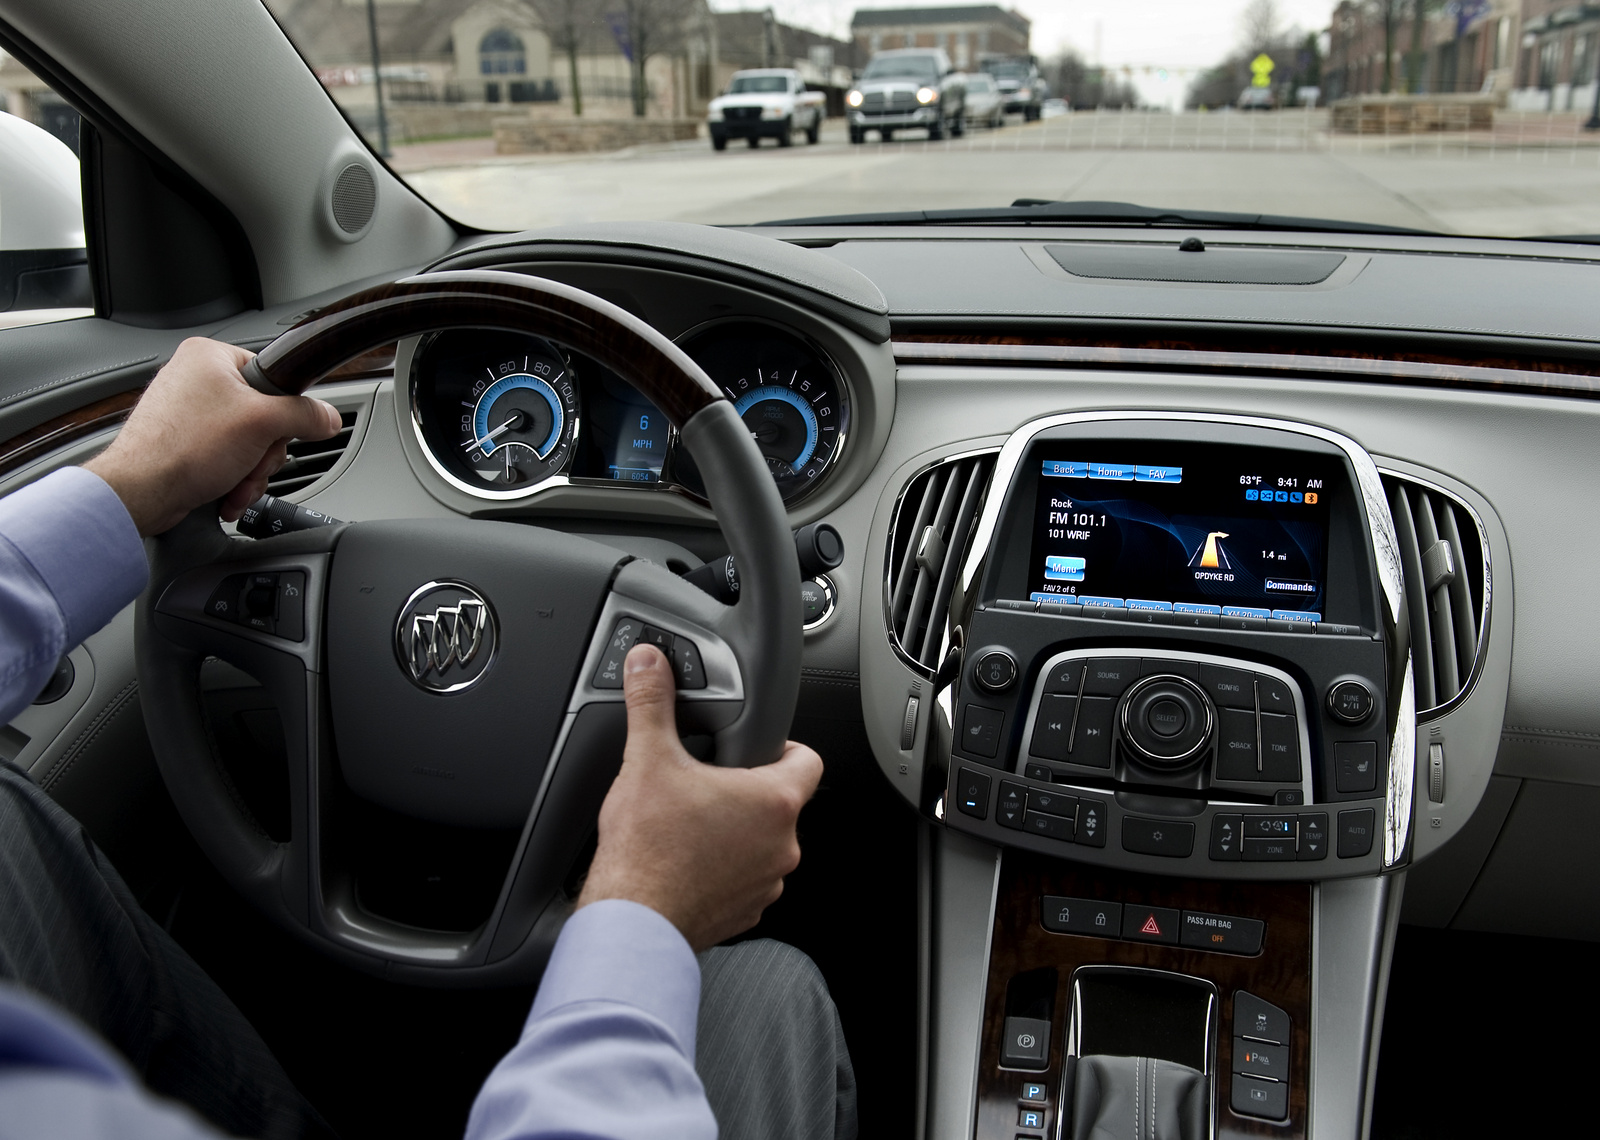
(787, 392)
(497, 411)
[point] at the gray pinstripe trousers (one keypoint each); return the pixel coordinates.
(771, 1052)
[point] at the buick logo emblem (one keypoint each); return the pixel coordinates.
(445, 637)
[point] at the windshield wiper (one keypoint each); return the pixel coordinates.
(1044, 211)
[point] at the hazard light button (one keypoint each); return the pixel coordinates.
(1150, 923)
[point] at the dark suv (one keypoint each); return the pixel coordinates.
(1022, 88)
(911, 87)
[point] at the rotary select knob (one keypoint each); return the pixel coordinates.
(1166, 721)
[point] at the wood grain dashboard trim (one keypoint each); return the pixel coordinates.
(1280, 974)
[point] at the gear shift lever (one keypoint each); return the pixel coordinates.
(1138, 1098)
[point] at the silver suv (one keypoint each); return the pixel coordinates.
(911, 87)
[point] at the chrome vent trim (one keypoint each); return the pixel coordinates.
(933, 522)
(310, 460)
(1444, 554)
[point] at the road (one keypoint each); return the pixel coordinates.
(1531, 175)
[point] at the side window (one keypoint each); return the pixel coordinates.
(44, 265)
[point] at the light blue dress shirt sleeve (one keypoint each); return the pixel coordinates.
(608, 1048)
(70, 558)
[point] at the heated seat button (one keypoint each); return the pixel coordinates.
(1355, 765)
(1081, 916)
(1091, 822)
(1052, 727)
(1223, 933)
(1108, 676)
(1355, 833)
(1064, 677)
(1091, 743)
(1230, 688)
(1171, 838)
(1236, 745)
(980, 730)
(1253, 1096)
(1280, 749)
(1150, 923)
(972, 793)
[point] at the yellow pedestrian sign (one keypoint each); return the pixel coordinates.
(1261, 70)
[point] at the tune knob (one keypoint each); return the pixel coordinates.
(1350, 702)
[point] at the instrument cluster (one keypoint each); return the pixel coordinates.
(502, 415)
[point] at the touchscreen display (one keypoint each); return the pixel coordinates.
(1233, 531)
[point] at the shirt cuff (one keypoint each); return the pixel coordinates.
(621, 951)
(79, 538)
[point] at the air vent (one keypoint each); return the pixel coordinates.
(355, 196)
(1445, 561)
(311, 460)
(927, 539)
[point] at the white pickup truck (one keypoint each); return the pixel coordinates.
(765, 102)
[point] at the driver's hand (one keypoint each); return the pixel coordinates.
(200, 433)
(706, 847)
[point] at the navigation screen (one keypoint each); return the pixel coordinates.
(1232, 531)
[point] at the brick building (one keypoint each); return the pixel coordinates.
(964, 32)
(1535, 55)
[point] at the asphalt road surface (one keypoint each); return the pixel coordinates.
(1531, 175)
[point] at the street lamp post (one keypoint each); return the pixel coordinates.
(377, 77)
(1594, 115)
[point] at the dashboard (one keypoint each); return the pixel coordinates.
(499, 415)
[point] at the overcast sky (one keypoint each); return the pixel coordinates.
(1181, 35)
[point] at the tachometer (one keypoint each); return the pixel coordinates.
(497, 411)
(788, 394)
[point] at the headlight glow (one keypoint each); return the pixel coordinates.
(774, 112)
(854, 98)
(714, 115)
(927, 95)
(1026, 92)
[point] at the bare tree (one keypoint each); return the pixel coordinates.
(644, 28)
(569, 24)
(1260, 25)
(1390, 9)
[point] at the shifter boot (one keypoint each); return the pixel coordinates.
(1138, 1098)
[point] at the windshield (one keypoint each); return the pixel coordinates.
(901, 67)
(751, 84)
(1467, 117)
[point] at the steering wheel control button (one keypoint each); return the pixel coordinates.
(1012, 803)
(1236, 745)
(1172, 839)
(1110, 676)
(1266, 1100)
(1350, 702)
(1081, 916)
(687, 669)
(1227, 838)
(1091, 741)
(1280, 749)
(972, 793)
(1222, 933)
(660, 638)
(980, 730)
(1052, 727)
(1355, 833)
(1166, 721)
(291, 604)
(996, 671)
(1091, 823)
(1064, 677)
(1355, 765)
(1230, 688)
(1150, 924)
(1026, 1045)
(1313, 836)
(624, 635)
(1049, 826)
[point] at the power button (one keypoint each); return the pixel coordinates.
(996, 671)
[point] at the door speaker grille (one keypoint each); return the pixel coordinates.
(927, 540)
(1445, 559)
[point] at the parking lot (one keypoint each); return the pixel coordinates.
(1532, 174)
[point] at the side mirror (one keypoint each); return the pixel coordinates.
(44, 263)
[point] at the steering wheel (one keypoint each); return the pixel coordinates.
(459, 671)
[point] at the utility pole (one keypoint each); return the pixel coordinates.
(377, 78)
(1594, 49)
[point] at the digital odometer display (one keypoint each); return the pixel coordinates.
(1237, 531)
